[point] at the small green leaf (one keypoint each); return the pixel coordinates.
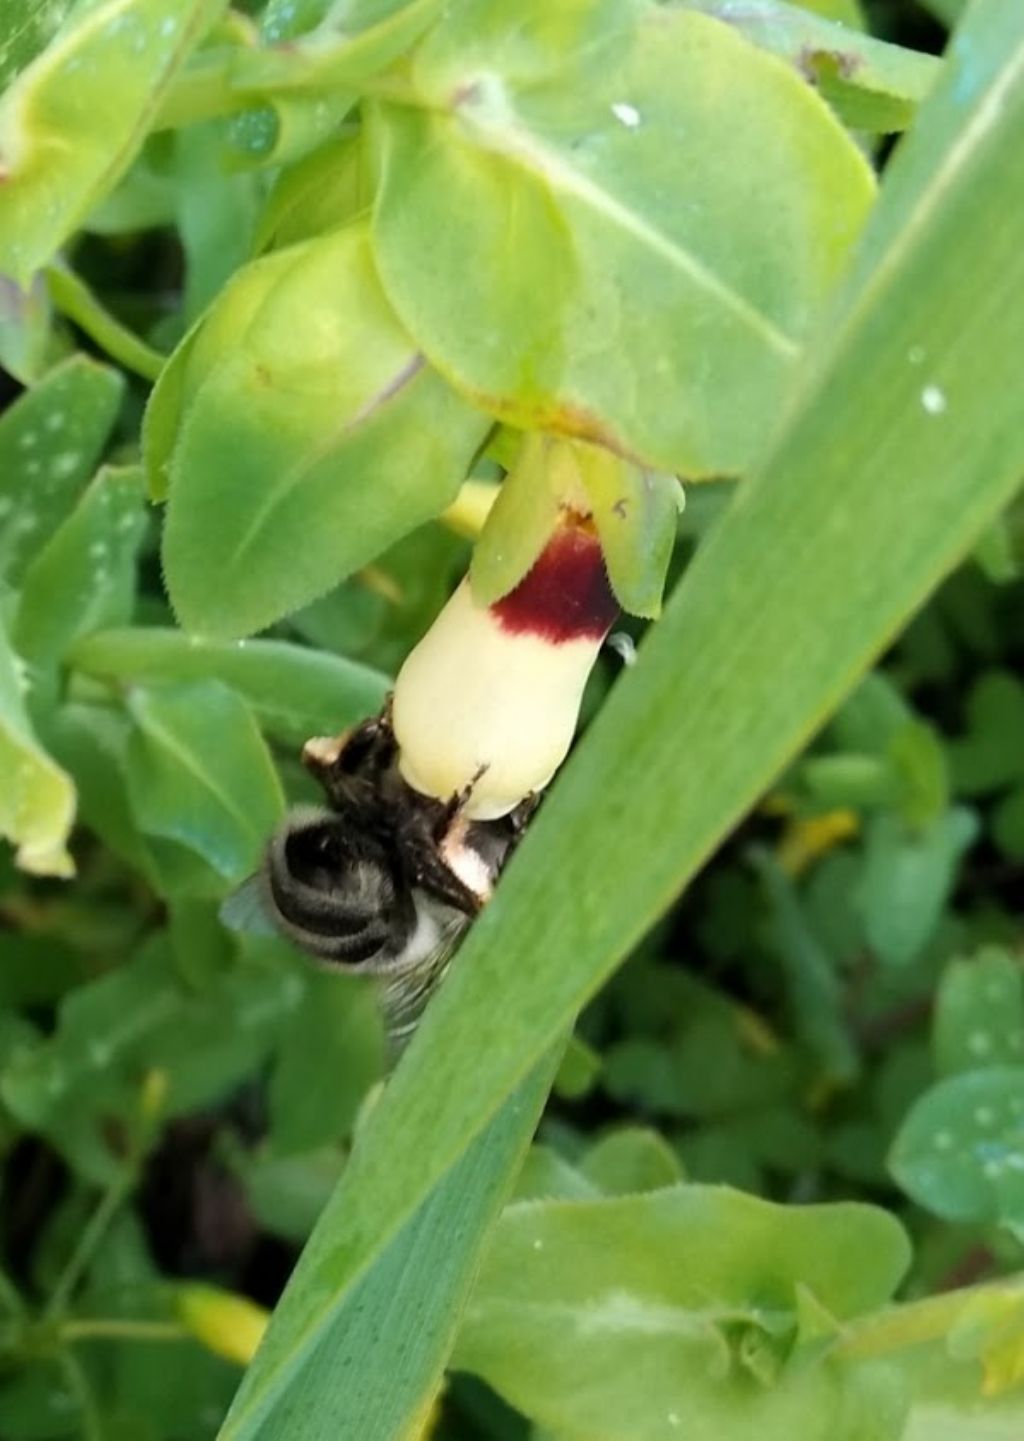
(321, 192)
(550, 150)
(960, 1151)
(907, 880)
(295, 692)
(37, 798)
(50, 441)
(1008, 825)
(979, 1013)
(351, 44)
(521, 520)
(199, 774)
(873, 86)
(25, 318)
(100, 80)
(84, 578)
(989, 756)
(630, 1160)
(310, 431)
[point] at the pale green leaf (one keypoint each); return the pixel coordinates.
(655, 155)
(979, 1013)
(310, 434)
(100, 81)
(873, 85)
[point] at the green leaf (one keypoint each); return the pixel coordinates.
(84, 1082)
(552, 151)
(37, 798)
(84, 578)
(100, 81)
(350, 45)
(988, 758)
(611, 1317)
(310, 427)
(629, 1160)
(908, 877)
(199, 774)
(294, 692)
(319, 193)
(979, 1013)
(26, 27)
(960, 1151)
(873, 86)
(25, 319)
(788, 600)
(50, 440)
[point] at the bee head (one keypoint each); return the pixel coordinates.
(333, 893)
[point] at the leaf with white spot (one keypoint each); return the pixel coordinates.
(979, 1013)
(960, 1151)
(100, 81)
(37, 798)
(50, 441)
(84, 578)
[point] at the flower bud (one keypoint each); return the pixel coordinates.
(489, 698)
(229, 1325)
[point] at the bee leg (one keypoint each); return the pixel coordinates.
(452, 809)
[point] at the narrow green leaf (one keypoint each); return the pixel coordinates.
(322, 191)
(84, 578)
(199, 774)
(100, 80)
(873, 85)
(295, 692)
(26, 27)
(50, 440)
(560, 171)
(37, 798)
(347, 1386)
(800, 585)
(311, 436)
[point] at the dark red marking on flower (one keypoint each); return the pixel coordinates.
(565, 596)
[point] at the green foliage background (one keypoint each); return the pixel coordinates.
(297, 270)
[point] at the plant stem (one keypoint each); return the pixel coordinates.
(100, 1328)
(92, 1234)
(913, 1324)
(10, 1296)
(79, 1383)
(73, 298)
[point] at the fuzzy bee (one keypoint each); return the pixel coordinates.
(382, 881)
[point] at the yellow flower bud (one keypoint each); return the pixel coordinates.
(229, 1325)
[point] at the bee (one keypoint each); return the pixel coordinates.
(383, 880)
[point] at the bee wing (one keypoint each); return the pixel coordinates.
(246, 909)
(405, 991)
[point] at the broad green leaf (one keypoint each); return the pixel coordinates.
(50, 440)
(948, 10)
(908, 877)
(352, 43)
(573, 159)
(286, 1194)
(295, 692)
(199, 774)
(1008, 825)
(37, 798)
(84, 578)
(735, 676)
(215, 212)
(311, 436)
(100, 81)
(286, 129)
(960, 1152)
(873, 86)
(611, 1317)
(979, 1013)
